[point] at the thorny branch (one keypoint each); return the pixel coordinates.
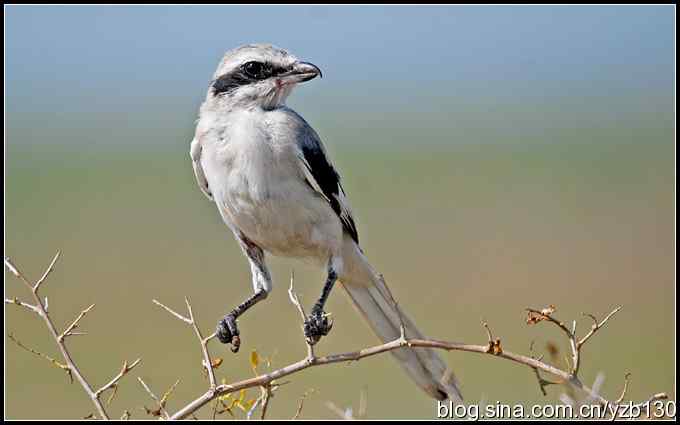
(40, 308)
(492, 348)
(266, 381)
(207, 362)
(535, 316)
(266, 397)
(542, 383)
(113, 383)
(161, 402)
(301, 404)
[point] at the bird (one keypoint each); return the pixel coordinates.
(277, 190)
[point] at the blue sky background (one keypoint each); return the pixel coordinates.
(473, 74)
(113, 59)
(174, 44)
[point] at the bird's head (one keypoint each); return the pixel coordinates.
(258, 75)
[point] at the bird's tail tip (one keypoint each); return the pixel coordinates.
(373, 299)
(450, 388)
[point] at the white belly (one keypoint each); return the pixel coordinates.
(260, 193)
(293, 224)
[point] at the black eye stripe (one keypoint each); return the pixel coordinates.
(230, 81)
(248, 73)
(261, 70)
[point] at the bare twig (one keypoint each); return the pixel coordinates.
(207, 362)
(50, 326)
(294, 298)
(301, 403)
(268, 382)
(296, 302)
(30, 307)
(72, 326)
(596, 326)
(47, 272)
(166, 395)
(214, 410)
(265, 402)
(566, 377)
(64, 367)
(40, 308)
(542, 383)
(576, 344)
(204, 346)
(536, 316)
(114, 382)
(161, 404)
(173, 312)
(625, 389)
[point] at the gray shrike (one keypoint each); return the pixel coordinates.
(269, 175)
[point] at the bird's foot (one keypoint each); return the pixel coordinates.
(316, 326)
(227, 332)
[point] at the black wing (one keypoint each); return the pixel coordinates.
(323, 178)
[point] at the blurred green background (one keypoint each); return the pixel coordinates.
(496, 158)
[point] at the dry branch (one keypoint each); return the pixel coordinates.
(266, 397)
(161, 405)
(301, 404)
(207, 361)
(40, 308)
(266, 381)
(114, 382)
(492, 348)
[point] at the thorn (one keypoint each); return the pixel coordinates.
(12, 268)
(625, 388)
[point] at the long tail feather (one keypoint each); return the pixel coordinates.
(372, 298)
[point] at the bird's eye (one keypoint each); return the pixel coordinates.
(256, 70)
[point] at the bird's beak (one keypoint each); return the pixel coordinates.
(301, 72)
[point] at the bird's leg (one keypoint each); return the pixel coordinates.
(317, 324)
(227, 330)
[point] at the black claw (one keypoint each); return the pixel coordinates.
(316, 326)
(227, 332)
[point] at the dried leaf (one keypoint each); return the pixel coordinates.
(153, 412)
(495, 347)
(535, 317)
(254, 360)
